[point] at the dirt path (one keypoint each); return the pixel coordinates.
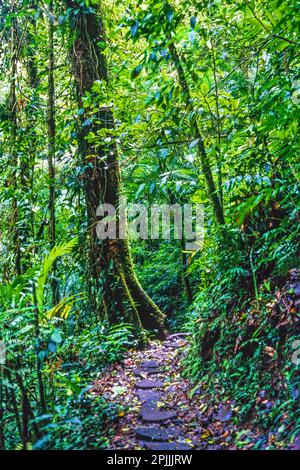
(160, 410)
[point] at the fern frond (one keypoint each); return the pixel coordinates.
(64, 307)
(56, 252)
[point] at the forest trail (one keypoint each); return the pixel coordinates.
(160, 409)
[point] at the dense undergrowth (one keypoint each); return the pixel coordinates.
(246, 327)
(160, 269)
(74, 418)
(245, 315)
(63, 357)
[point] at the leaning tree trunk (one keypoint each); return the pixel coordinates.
(205, 164)
(102, 177)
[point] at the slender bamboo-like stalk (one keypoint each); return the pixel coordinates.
(218, 126)
(51, 150)
(2, 429)
(41, 388)
(13, 145)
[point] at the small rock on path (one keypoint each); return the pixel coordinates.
(149, 384)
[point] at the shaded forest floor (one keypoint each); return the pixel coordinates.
(160, 410)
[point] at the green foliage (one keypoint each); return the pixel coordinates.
(243, 328)
(79, 423)
(160, 269)
(71, 355)
(49, 260)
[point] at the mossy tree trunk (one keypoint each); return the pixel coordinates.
(102, 180)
